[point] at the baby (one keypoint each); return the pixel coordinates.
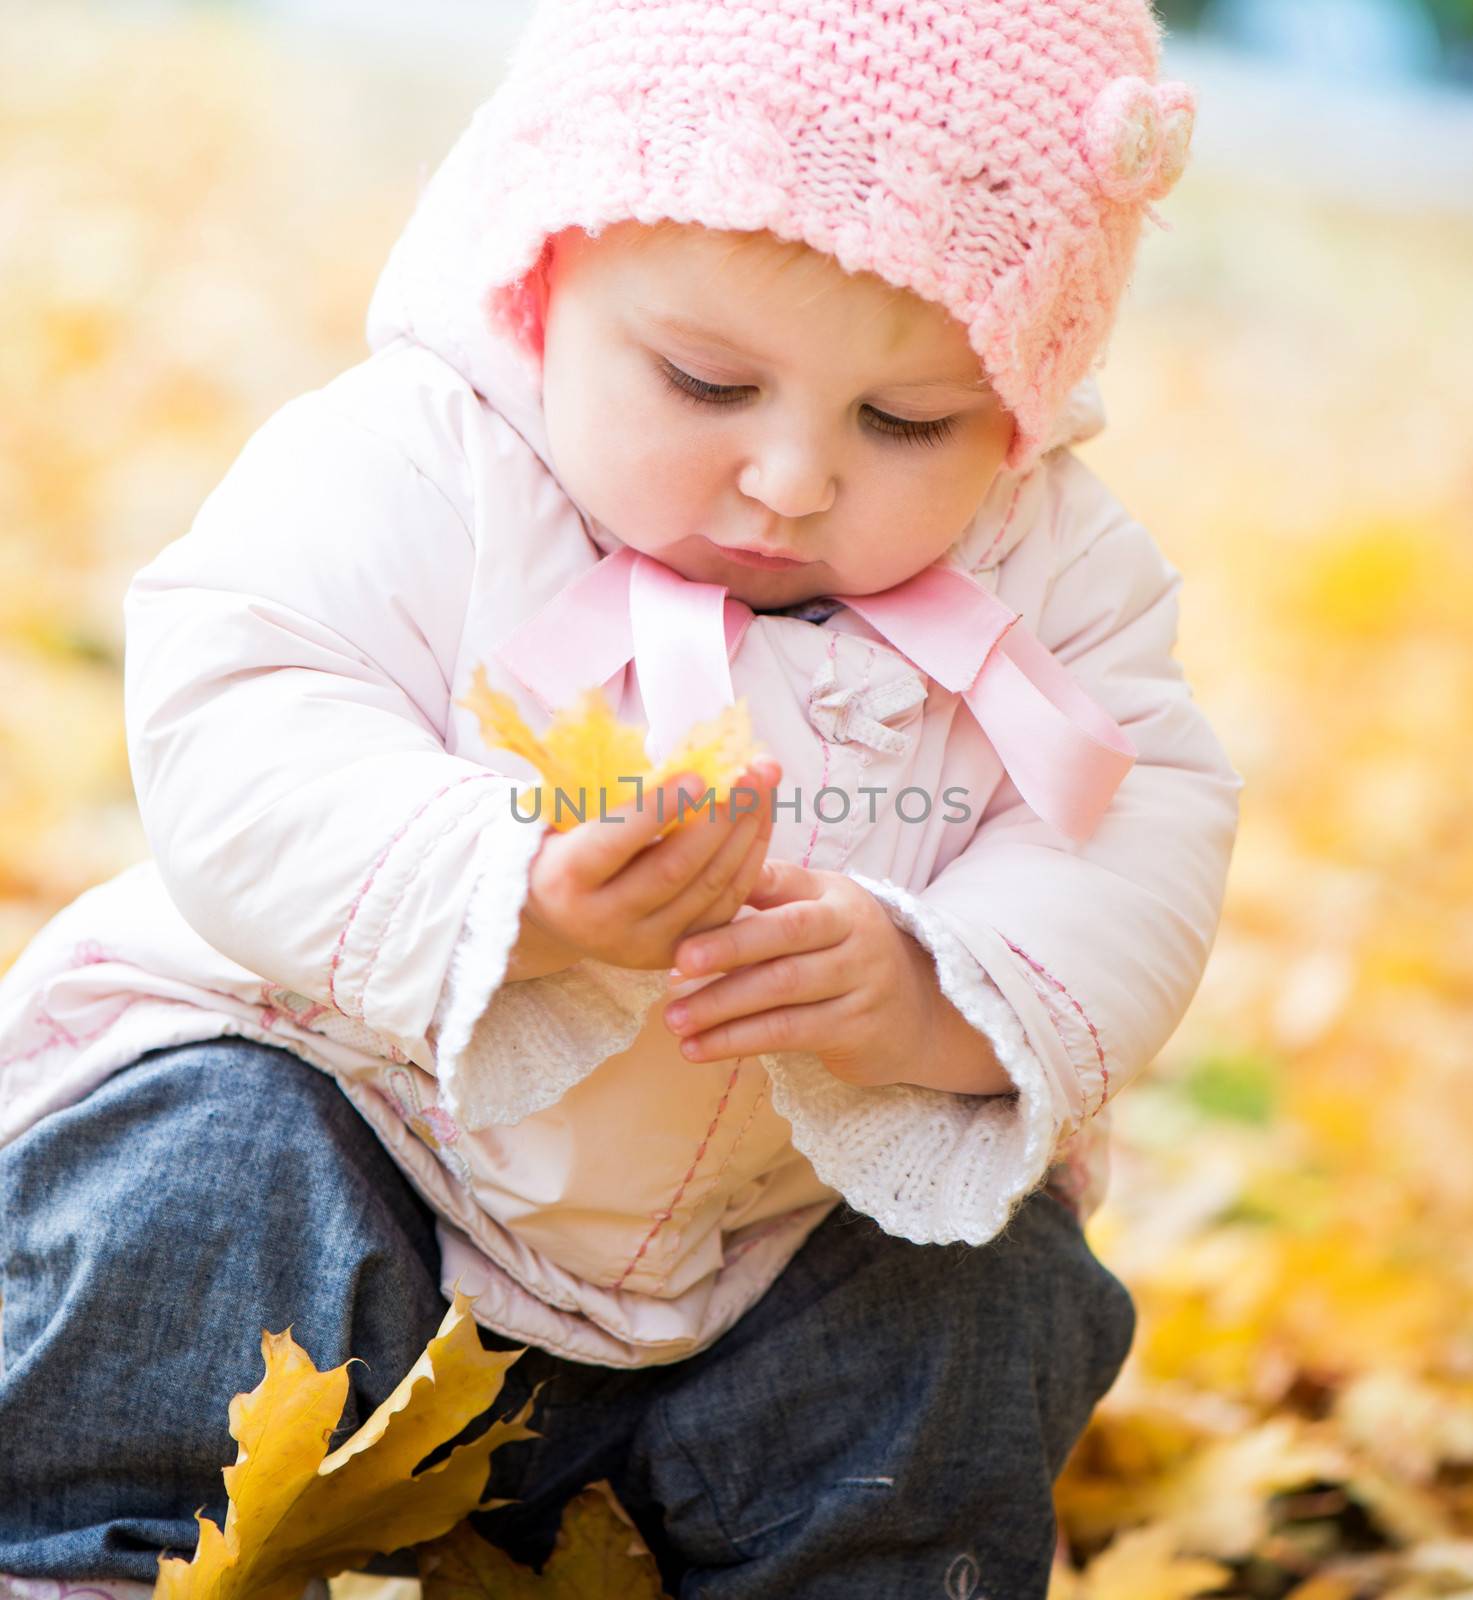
(734, 353)
(864, 998)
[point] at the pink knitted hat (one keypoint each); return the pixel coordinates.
(996, 157)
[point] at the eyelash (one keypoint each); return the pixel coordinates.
(700, 393)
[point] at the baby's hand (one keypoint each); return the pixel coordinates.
(611, 890)
(818, 966)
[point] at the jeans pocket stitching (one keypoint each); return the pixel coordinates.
(749, 1534)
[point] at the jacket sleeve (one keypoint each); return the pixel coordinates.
(287, 683)
(1076, 961)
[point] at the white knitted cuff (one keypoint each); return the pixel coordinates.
(503, 1051)
(928, 1165)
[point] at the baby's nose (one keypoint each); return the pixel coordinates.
(792, 483)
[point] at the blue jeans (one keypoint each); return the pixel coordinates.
(888, 1419)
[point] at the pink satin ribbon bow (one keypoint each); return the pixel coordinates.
(1065, 755)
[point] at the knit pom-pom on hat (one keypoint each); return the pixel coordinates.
(1136, 136)
(996, 157)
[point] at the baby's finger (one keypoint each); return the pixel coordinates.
(785, 880)
(725, 905)
(811, 1027)
(695, 906)
(603, 848)
(752, 792)
(768, 986)
(710, 842)
(732, 900)
(787, 929)
(670, 867)
(757, 787)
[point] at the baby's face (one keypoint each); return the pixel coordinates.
(852, 432)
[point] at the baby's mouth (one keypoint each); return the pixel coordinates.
(761, 559)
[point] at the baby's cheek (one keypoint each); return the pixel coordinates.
(667, 490)
(890, 540)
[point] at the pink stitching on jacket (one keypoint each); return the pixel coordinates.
(1053, 1021)
(741, 1134)
(824, 775)
(58, 1033)
(89, 953)
(448, 827)
(849, 844)
(275, 1004)
(662, 1217)
(823, 779)
(732, 1149)
(337, 955)
(1007, 522)
(1084, 1017)
(432, 1125)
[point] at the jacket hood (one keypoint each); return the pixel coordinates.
(431, 292)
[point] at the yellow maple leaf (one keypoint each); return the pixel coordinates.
(1326, 1586)
(597, 1556)
(588, 756)
(1218, 1502)
(1146, 1564)
(297, 1513)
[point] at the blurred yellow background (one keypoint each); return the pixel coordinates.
(193, 208)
